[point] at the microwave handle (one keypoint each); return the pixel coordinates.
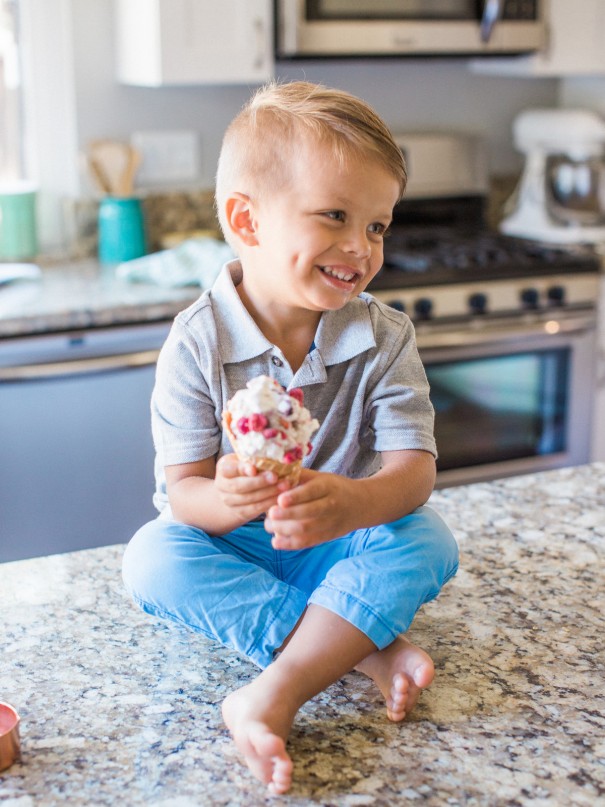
(492, 11)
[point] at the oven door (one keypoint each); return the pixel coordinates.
(510, 398)
(407, 27)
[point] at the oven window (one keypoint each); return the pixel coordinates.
(499, 408)
(392, 10)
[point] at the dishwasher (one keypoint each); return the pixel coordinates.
(76, 452)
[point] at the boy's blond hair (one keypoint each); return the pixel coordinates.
(263, 140)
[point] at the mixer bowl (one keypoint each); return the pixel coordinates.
(575, 190)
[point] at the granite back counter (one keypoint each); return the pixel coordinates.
(120, 708)
(74, 295)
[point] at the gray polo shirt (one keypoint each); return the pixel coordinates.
(362, 379)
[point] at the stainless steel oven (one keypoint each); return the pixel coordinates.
(511, 397)
(513, 392)
(506, 328)
(311, 28)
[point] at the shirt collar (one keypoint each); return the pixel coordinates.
(239, 337)
(345, 333)
(341, 334)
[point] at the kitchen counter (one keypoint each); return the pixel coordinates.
(83, 294)
(120, 708)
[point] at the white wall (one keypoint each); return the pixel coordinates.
(412, 94)
(584, 91)
(409, 94)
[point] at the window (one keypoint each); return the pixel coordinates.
(11, 157)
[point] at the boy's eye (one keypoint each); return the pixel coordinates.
(379, 229)
(336, 215)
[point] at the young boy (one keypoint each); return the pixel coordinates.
(314, 581)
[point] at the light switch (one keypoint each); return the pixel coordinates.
(167, 156)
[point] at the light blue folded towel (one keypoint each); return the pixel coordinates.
(194, 262)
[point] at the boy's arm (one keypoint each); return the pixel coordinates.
(219, 497)
(326, 506)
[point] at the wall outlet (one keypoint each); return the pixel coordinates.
(167, 156)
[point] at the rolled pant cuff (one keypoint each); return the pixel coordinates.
(279, 628)
(358, 613)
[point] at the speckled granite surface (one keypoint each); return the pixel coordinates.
(119, 708)
(81, 294)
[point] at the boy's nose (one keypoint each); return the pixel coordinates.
(358, 243)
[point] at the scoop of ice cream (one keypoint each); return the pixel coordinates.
(265, 420)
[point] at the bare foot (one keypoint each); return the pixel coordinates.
(400, 671)
(259, 725)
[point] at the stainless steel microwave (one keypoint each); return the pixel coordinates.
(354, 28)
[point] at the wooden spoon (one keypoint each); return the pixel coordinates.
(114, 165)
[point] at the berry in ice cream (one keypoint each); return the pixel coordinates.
(270, 427)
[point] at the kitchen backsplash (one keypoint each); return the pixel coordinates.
(173, 215)
(501, 189)
(169, 217)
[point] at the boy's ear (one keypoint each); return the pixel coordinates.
(240, 218)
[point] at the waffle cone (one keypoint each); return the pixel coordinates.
(289, 471)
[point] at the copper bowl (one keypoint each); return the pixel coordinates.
(10, 748)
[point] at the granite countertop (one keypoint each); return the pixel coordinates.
(83, 294)
(120, 708)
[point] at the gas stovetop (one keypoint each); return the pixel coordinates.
(438, 256)
(461, 269)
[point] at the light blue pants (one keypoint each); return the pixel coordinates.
(243, 593)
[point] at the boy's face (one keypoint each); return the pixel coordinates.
(319, 239)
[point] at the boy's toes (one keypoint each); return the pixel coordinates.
(282, 776)
(398, 700)
(270, 761)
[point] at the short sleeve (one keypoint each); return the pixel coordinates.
(183, 412)
(398, 408)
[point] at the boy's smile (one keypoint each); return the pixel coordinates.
(318, 241)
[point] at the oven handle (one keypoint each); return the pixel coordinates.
(79, 367)
(489, 335)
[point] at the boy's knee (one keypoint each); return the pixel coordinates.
(444, 544)
(427, 527)
(143, 560)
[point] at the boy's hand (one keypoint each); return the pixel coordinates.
(244, 489)
(318, 509)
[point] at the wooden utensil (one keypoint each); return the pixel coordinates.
(113, 165)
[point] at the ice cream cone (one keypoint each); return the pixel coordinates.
(289, 471)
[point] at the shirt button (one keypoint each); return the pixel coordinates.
(277, 361)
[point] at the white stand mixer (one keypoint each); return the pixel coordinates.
(575, 134)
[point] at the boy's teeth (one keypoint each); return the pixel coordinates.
(339, 274)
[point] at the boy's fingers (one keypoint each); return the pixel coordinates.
(231, 467)
(251, 505)
(228, 465)
(301, 494)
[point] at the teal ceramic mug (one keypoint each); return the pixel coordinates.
(18, 233)
(121, 229)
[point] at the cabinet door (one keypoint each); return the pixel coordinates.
(163, 42)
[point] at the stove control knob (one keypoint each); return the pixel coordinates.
(478, 303)
(529, 298)
(423, 307)
(398, 305)
(556, 295)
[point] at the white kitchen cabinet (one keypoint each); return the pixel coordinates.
(575, 44)
(180, 42)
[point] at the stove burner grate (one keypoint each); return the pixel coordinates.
(438, 256)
